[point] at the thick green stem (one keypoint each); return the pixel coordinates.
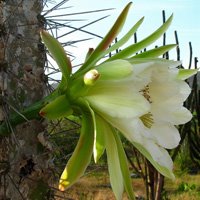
(29, 113)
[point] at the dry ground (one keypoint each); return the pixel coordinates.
(95, 186)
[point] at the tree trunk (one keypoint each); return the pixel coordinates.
(24, 163)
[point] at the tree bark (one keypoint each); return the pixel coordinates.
(25, 168)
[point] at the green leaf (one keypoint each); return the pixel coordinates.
(58, 53)
(106, 41)
(58, 108)
(130, 50)
(81, 156)
(186, 73)
(163, 170)
(156, 52)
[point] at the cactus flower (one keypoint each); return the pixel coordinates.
(140, 96)
(155, 130)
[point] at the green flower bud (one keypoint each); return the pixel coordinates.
(91, 77)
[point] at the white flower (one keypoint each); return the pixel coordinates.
(145, 105)
(142, 98)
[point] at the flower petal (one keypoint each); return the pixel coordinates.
(119, 105)
(181, 116)
(159, 154)
(131, 128)
(176, 91)
(170, 113)
(158, 157)
(136, 132)
(165, 135)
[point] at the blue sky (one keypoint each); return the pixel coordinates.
(186, 22)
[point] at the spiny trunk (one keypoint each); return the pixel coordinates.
(24, 169)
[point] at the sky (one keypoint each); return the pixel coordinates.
(186, 22)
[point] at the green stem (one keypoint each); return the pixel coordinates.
(29, 113)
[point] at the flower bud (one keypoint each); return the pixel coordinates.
(91, 77)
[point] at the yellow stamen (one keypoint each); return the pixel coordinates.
(145, 93)
(147, 120)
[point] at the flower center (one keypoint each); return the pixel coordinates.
(145, 93)
(147, 120)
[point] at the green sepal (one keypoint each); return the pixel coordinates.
(90, 51)
(97, 54)
(130, 50)
(62, 86)
(117, 163)
(186, 73)
(124, 167)
(99, 129)
(58, 108)
(58, 53)
(125, 38)
(114, 168)
(81, 156)
(99, 142)
(163, 170)
(115, 70)
(156, 52)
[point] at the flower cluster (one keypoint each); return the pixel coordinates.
(141, 96)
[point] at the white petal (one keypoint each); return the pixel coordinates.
(131, 83)
(158, 157)
(140, 68)
(122, 105)
(158, 62)
(131, 128)
(160, 91)
(181, 116)
(185, 90)
(165, 135)
(170, 113)
(170, 89)
(159, 154)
